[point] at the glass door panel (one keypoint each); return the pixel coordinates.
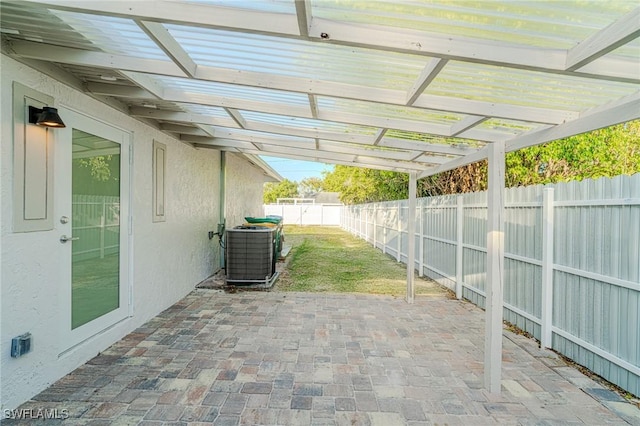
(95, 266)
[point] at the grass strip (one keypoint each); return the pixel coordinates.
(328, 259)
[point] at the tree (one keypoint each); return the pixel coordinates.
(606, 152)
(310, 186)
(359, 185)
(285, 189)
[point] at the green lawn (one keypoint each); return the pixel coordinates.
(328, 259)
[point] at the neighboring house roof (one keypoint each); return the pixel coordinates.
(327, 198)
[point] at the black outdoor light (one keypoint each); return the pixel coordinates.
(45, 117)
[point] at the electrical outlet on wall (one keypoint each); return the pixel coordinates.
(21, 345)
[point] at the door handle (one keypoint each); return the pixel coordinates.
(64, 239)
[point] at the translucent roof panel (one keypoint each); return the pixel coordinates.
(277, 6)
(210, 111)
(32, 23)
(387, 111)
(507, 126)
(521, 87)
(629, 52)
(540, 23)
(113, 35)
(299, 58)
(256, 136)
(428, 138)
(307, 123)
(199, 87)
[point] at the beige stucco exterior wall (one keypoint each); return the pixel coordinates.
(167, 259)
(245, 184)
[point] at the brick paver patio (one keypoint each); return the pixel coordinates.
(315, 359)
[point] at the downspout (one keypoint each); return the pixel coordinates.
(223, 205)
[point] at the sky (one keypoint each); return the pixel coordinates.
(296, 170)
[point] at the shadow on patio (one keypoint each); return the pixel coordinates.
(292, 358)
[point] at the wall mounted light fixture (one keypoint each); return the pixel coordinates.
(46, 117)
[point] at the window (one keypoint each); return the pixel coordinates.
(159, 167)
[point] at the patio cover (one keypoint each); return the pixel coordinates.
(412, 86)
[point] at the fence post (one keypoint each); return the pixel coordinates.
(546, 319)
(459, 242)
(421, 240)
(366, 224)
(375, 214)
(384, 231)
(399, 226)
(103, 223)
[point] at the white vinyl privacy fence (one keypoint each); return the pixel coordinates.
(96, 223)
(306, 214)
(571, 267)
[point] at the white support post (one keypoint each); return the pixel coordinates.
(459, 242)
(547, 268)
(421, 242)
(411, 232)
(495, 269)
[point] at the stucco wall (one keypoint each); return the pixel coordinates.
(167, 258)
(244, 190)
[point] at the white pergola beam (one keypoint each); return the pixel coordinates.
(185, 130)
(119, 91)
(492, 109)
(219, 142)
(428, 74)
(275, 130)
(270, 148)
(145, 82)
(620, 111)
(418, 150)
(366, 36)
(183, 117)
(27, 49)
(303, 14)
(432, 160)
(209, 130)
(326, 146)
(623, 110)
(617, 34)
(303, 112)
(438, 148)
(342, 162)
(480, 154)
(379, 135)
(313, 105)
(237, 117)
(47, 52)
(451, 47)
(495, 269)
(181, 13)
(309, 133)
(388, 123)
(160, 35)
(466, 124)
